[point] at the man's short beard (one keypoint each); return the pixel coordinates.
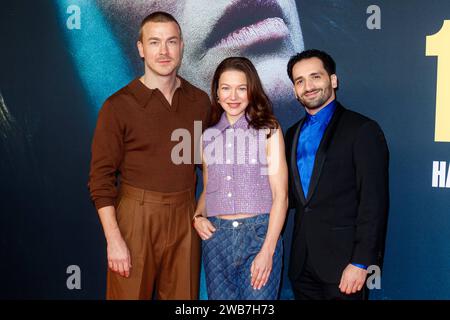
(323, 99)
(315, 105)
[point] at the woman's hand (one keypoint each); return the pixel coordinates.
(204, 227)
(261, 268)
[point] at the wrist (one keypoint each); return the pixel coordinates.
(114, 238)
(196, 217)
(268, 249)
(113, 235)
(361, 266)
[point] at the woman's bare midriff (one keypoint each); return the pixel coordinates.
(235, 216)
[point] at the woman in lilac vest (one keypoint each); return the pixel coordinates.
(242, 208)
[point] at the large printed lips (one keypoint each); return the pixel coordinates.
(246, 23)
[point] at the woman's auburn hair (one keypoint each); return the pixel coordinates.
(259, 110)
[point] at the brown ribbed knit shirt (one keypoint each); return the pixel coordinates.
(132, 140)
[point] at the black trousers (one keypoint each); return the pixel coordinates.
(308, 286)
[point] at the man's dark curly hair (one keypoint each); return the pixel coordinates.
(327, 61)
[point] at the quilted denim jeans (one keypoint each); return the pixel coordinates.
(228, 255)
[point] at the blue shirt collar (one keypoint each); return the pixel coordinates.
(324, 115)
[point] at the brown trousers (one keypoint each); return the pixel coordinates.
(164, 248)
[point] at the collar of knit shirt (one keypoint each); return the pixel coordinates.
(241, 123)
(143, 94)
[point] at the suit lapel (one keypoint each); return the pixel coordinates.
(322, 151)
(296, 175)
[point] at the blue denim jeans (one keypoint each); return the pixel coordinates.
(228, 255)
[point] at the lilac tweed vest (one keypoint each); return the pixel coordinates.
(235, 156)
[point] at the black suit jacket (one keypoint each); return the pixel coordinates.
(343, 219)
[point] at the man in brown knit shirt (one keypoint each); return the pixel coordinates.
(144, 199)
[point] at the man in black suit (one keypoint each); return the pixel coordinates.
(338, 162)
